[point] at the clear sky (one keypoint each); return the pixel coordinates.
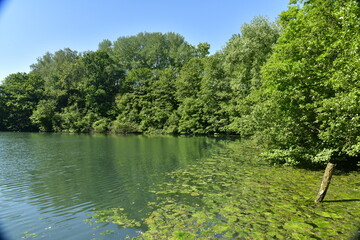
(30, 28)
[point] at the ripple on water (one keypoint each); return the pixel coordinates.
(49, 183)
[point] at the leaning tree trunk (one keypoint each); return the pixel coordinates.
(325, 182)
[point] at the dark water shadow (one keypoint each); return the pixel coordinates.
(2, 234)
(342, 200)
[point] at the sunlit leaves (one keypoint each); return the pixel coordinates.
(243, 57)
(310, 83)
(20, 93)
(152, 50)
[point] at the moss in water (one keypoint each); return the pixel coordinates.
(232, 195)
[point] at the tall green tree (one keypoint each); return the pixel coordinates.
(188, 86)
(44, 116)
(244, 56)
(215, 95)
(133, 98)
(152, 50)
(105, 46)
(203, 93)
(146, 100)
(152, 61)
(101, 83)
(20, 94)
(62, 73)
(3, 112)
(163, 102)
(310, 86)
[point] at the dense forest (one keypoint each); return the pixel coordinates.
(293, 85)
(151, 82)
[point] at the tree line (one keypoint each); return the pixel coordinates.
(151, 82)
(292, 84)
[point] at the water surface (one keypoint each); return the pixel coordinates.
(50, 183)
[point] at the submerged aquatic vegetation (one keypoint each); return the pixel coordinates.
(232, 195)
(113, 215)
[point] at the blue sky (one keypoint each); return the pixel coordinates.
(30, 28)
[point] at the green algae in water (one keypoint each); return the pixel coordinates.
(113, 215)
(234, 196)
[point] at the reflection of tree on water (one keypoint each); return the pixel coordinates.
(106, 171)
(2, 234)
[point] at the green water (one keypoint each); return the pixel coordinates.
(236, 195)
(50, 183)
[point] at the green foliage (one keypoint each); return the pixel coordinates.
(105, 46)
(44, 115)
(3, 112)
(310, 84)
(62, 74)
(20, 94)
(152, 50)
(203, 49)
(203, 93)
(101, 84)
(215, 93)
(124, 126)
(188, 94)
(79, 90)
(151, 82)
(189, 81)
(70, 120)
(101, 126)
(244, 56)
(247, 52)
(190, 112)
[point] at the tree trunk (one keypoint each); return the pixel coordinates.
(325, 182)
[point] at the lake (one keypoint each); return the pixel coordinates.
(50, 183)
